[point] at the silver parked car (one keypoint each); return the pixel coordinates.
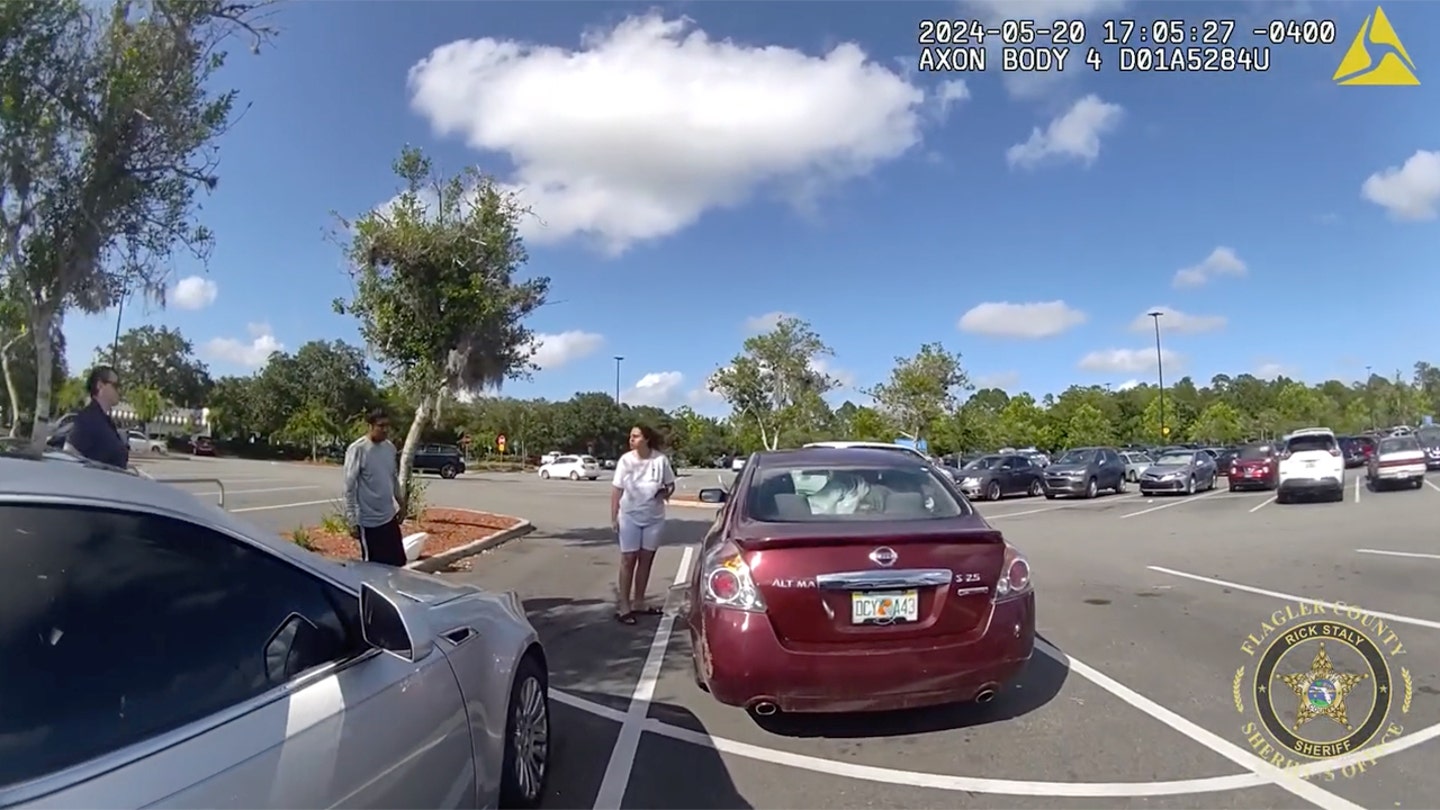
(1182, 471)
(161, 652)
(1135, 464)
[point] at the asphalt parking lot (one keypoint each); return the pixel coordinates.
(1146, 607)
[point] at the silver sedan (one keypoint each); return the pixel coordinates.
(160, 652)
(1179, 471)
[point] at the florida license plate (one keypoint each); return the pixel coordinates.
(884, 607)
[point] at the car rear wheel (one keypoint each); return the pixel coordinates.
(527, 737)
(449, 471)
(1120, 486)
(1036, 488)
(992, 492)
(1092, 488)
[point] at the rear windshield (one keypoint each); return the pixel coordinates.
(1254, 452)
(1429, 436)
(1399, 444)
(829, 494)
(1302, 444)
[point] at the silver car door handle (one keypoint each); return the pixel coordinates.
(881, 580)
(459, 635)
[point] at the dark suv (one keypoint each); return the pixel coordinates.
(1085, 471)
(444, 459)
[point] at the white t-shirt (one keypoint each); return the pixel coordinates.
(640, 481)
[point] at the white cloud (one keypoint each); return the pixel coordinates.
(194, 292)
(1271, 371)
(1409, 192)
(1126, 361)
(1222, 261)
(764, 323)
(1041, 319)
(949, 93)
(1173, 320)
(237, 352)
(555, 350)
(1004, 380)
(1073, 135)
(658, 388)
(646, 126)
(844, 378)
(1128, 384)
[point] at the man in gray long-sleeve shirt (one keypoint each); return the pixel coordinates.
(374, 505)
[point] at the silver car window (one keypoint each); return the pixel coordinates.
(116, 627)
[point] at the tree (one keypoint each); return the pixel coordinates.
(1219, 422)
(777, 382)
(147, 403)
(922, 389)
(162, 359)
(311, 425)
(101, 157)
(1022, 423)
(1087, 426)
(435, 287)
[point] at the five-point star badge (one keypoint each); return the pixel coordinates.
(1322, 690)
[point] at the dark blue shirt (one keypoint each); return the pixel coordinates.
(94, 435)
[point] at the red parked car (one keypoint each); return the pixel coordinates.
(855, 579)
(1256, 466)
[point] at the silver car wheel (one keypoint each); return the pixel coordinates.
(531, 740)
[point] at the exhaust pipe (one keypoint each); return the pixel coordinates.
(986, 694)
(765, 709)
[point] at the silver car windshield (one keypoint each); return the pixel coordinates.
(1077, 457)
(1174, 459)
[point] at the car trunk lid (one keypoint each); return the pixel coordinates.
(830, 584)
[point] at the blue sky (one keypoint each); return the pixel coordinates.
(698, 167)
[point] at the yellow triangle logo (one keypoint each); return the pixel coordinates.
(1395, 68)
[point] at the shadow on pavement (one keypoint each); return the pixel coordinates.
(1037, 685)
(670, 773)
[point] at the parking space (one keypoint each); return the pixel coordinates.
(1147, 606)
(1151, 610)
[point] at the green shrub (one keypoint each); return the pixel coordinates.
(301, 538)
(334, 522)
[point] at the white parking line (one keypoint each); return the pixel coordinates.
(1431, 484)
(229, 492)
(1358, 479)
(1263, 504)
(1290, 597)
(1178, 501)
(1414, 554)
(281, 506)
(1092, 504)
(627, 744)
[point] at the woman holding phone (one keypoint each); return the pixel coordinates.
(644, 481)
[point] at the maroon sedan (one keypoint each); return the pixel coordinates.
(1256, 466)
(838, 580)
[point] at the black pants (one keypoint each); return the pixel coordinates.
(383, 543)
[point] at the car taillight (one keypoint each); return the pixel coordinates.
(1014, 575)
(727, 581)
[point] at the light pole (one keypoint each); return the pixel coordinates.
(1160, 371)
(1370, 397)
(618, 358)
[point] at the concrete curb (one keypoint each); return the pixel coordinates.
(445, 558)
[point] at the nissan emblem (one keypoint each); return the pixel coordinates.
(884, 556)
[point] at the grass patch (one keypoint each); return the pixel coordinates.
(301, 538)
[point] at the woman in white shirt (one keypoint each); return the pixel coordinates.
(644, 481)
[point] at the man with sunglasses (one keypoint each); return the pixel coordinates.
(93, 433)
(374, 505)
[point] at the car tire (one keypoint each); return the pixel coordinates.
(449, 471)
(1281, 497)
(1190, 486)
(1120, 486)
(545, 475)
(1418, 483)
(1234, 488)
(1132, 476)
(993, 492)
(1092, 488)
(1036, 488)
(1049, 496)
(527, 737)
(574, 476)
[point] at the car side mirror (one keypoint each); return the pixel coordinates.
(386, 624)
(713, 495)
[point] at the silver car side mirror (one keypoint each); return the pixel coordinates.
(401, 629)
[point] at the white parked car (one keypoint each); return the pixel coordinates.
(572, 467)
(1398, 461)
(140, 443)
(1311, 464)
(738, 463)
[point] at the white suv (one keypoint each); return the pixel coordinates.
(1311, 464)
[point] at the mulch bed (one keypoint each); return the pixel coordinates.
(448, 529)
